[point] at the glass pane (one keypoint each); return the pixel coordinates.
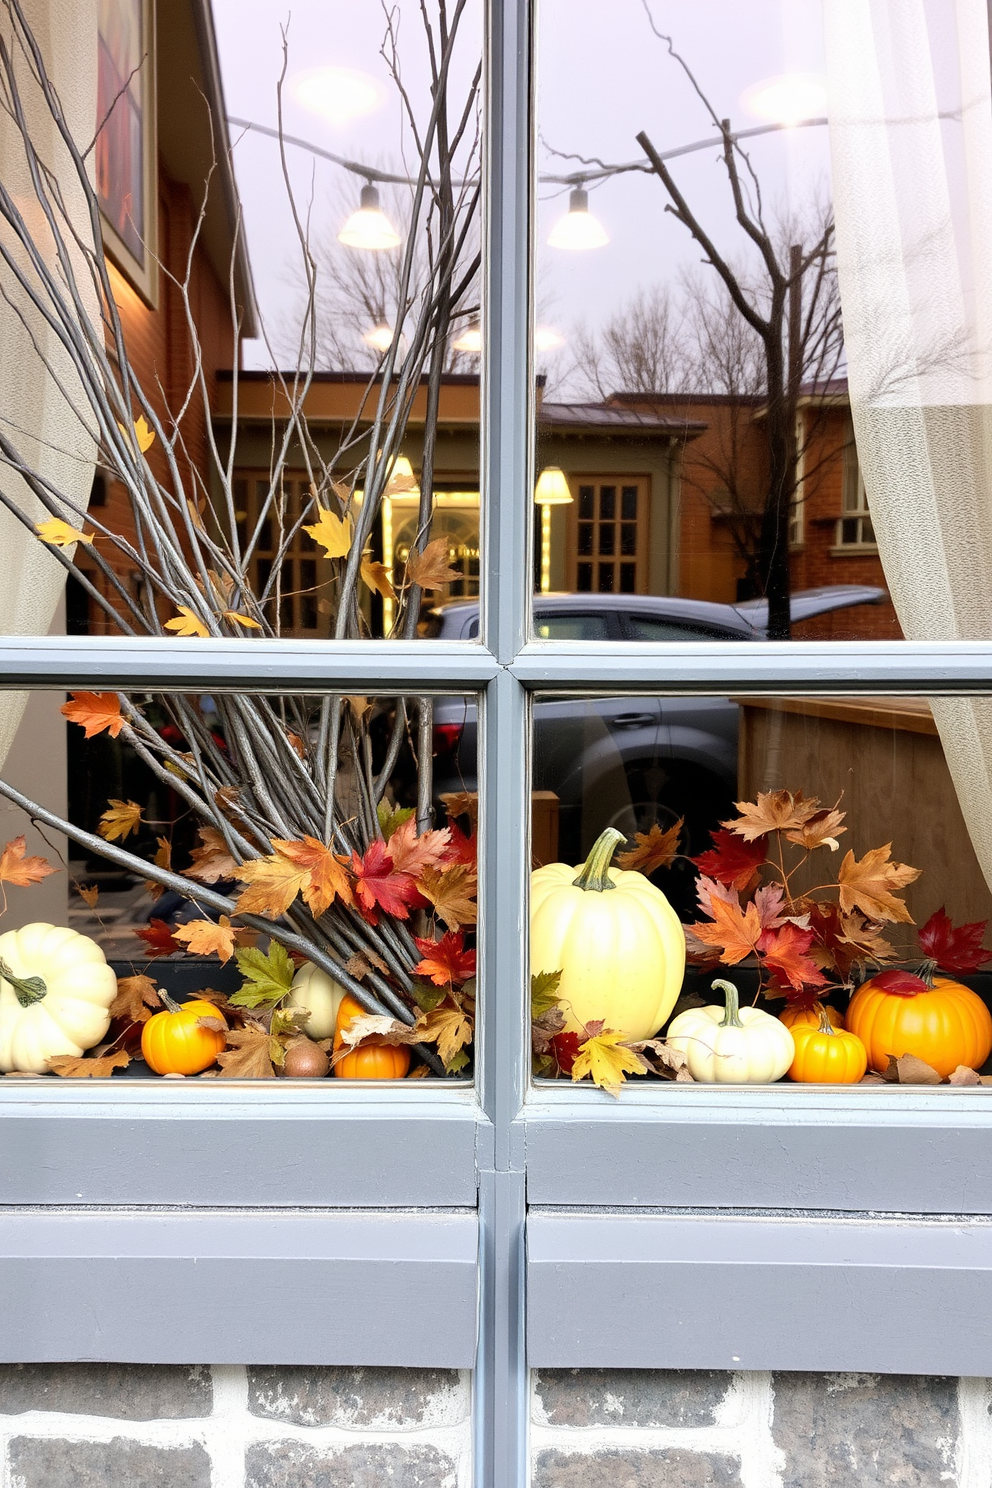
(826, 857)
(572, 628)
(719, 384)
(190, 848)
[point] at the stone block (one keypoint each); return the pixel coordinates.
(357, 1397)
(129, 1392)
(633, 1468)
(50, 1463)
(296, 1465)
(839, 1429)
(631, 1397)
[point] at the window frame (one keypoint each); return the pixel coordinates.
(142, 277)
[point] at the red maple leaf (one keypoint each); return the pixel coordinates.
(379, 886)
(460, 849)
(783, 951)
(566, 1047)
(445, 960)
(158, 938)
(954, 948)
(731, 860)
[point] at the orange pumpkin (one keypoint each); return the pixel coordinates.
(172, 1043)
(802, 1017)
(372, 1060)
(826, 1055)
(945, 1024)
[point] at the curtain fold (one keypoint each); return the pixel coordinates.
(35, 413)
(910, 109)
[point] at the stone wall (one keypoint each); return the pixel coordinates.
(145, 1426)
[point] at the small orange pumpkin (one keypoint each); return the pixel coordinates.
(826, 1055)
(801, 1017)
(945, 1024)
(372, 1060)
(172, 1042)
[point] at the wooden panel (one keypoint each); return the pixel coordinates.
(544, 828)
(883, 760)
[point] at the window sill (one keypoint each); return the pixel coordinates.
(854, 550)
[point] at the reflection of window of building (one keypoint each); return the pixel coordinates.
(608, 538)
(125, 156)
(295, 591)
(854, 527)
(797, 514)
(456, 518)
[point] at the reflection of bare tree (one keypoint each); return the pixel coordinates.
(640, 349)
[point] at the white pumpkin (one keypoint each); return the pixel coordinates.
(732, 1045)
(321, 995)
(58, 999)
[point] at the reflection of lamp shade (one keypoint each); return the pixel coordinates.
(369, 227)
(545, 339)
(552, 487)
(578, 229)
(402, 481)
(380, 336)
(469, 340)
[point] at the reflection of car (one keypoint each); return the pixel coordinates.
(625, 761)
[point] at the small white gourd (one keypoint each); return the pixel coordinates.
(314, 990)
(732, 1045)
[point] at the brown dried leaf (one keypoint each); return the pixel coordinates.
(73, 1068)
(964, 1076)
(136, 996)
(212, 861)
(452, 892)
(89, 893)
(17, 869)
(908, 1070)
(248, 1055)
(430, 569)
(162, 859)
(357, 967)
(462, 803)
(448, 1027)
(376, 576)
(654, 849)
(821, 830)
(544, 1028)
(774, 811)
(671, 1064)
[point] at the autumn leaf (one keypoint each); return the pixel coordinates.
(136, 997)
(449, 1027)
(144, 435)
(187, 623)
(659, 1057)
(774, 811)
(94, 712)
(89, 893)
(604, 1057)
(212, 861)
(954, 948)
(273, 883)
(462, 803)
(204, 938)
(546, 1028)
(445, 960)
(841, 940)
(544, 991)
(122, 818)
(731, 861)
(734, 931)
(451, 891)
(566, 1046)
(430, 569)
(333, 533)
(296, 744)
(376, 576)
(235, 619)
(964, 1075)
(162, 859)
(867, 884)
(783, 952)
(654, 848)
(379, 886)
(909, 1070)
(267, 977)
(248, 1055)
(326, 878)
(461, 849)
(22, 871)
(59, 534)
(69, 1066)
(158, 938)
(391, 817)
(820, 830)
(375, 1029)
(195, 515)
(411, 854)
(769, 901)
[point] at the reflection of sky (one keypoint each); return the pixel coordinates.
(602, 77)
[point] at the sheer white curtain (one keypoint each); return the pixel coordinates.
(911, 150)
(34, 413)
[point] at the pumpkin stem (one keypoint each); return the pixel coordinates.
(926, 972)
(26, 989)
(731, 1018)
(170, 1002)
(595, 874)
(825, 1024)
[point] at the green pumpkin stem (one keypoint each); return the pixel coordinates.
(170, 1002)
(595, 874)
(732, 1017)
(27, 990)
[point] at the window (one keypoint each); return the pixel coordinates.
(854, 528)
(126, 153)
(609, 536)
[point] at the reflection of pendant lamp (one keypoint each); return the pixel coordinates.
(578, 229)
(380, 336)
(469, 340)
(551, 490)
(369, 227)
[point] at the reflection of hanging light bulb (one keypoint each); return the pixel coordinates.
(369, 227)
(380, 336)
(469, 340)
(578, 229)
(552, 487)
(545, 339)
(402, 481)
(787, 99)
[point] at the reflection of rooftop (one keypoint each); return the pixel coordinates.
(609, 416)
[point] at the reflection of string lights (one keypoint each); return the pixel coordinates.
(369, 227)
(380, 336)
(339, 94)
(578, 229)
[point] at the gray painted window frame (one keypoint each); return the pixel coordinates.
(639, 1191)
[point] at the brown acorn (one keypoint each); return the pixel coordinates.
(305, 1060)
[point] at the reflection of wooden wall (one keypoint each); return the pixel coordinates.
(544, 828)
(885, 758)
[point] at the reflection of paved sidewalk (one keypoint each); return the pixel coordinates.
(119, 913)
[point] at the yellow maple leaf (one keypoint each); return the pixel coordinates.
(144, 435)
(120, 820)
(376, 575)
(448, 1027)
(606, 1061)
(187, 623)
(204, 938)
(237, 619)
(333, 533)
(273, 883)
(59, 534)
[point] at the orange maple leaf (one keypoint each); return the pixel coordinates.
(213, 860)
(94, 712)
(15, 868)
(273, 883)
(653, 849)
(122, 818)
(452, 892)
(204, 938)
(411, 854)
(736, 932)
(327, 879)
(774, 811)
(430, 569)
(784, 952)
(867, 884)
